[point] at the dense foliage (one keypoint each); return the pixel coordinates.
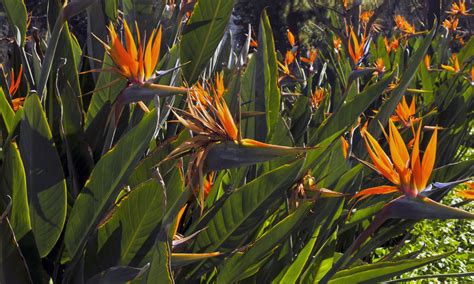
(166, 150)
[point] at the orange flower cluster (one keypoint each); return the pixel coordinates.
(451, 24)
(13, 88)
(136, 62)
(311, 58)
(379, 66)
(404, 26)
(405, 114)
(391, 45)
(459, 9)
(337, 43)
(454, 67)
(365, 16)
(355, 47)
(317, 97)
(409, 174)
(207, 108)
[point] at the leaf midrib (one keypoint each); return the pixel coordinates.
(132, 240)
(226, 236)
(208, 34)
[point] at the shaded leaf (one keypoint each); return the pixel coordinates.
(137, 218)
(160, 270)
(44, 176)
(234, 267)
(267, 96)
(6, 112)
(17, 16)
(232, 223)
(202, 34)
(14, 183)
(105, 182)
(13, 268)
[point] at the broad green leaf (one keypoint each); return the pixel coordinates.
(145, 168)
(111, 9)
(202, 34)
(322, 261)
(13, 268)
(438, 277)
(314, 157)
(247, 93)
(363, 214)
(293, 271)
(137, 218)
(44, 176)
(18, 17)
(234, 267)
(317, 266)
(160, 270)
(6, 112)
(107, 88)
(14, 184)
(467, 51)
(267, 96)
(105, 182)
(427, 83)
(376, 272)
(68, 96)
(233, 222)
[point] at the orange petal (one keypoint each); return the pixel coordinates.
(412, 106)
(15, 82)
(289, 57)
(129, 41)
(291, 38)
(377, 190)
(467, 194)
(427, 61)
(345, 147)
(380, 159)
(178, 219)
(220, 88)
(398, 149)
(17, 103)
(355, 40)
(156, 48)
(415, 161)
(226, 119)
(448, 68)
(429, 158)
(148, 61)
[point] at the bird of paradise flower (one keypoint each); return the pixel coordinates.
(217, 143)
(409, 175)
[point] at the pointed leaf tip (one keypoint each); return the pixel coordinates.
(230, 154)
(423, 208)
